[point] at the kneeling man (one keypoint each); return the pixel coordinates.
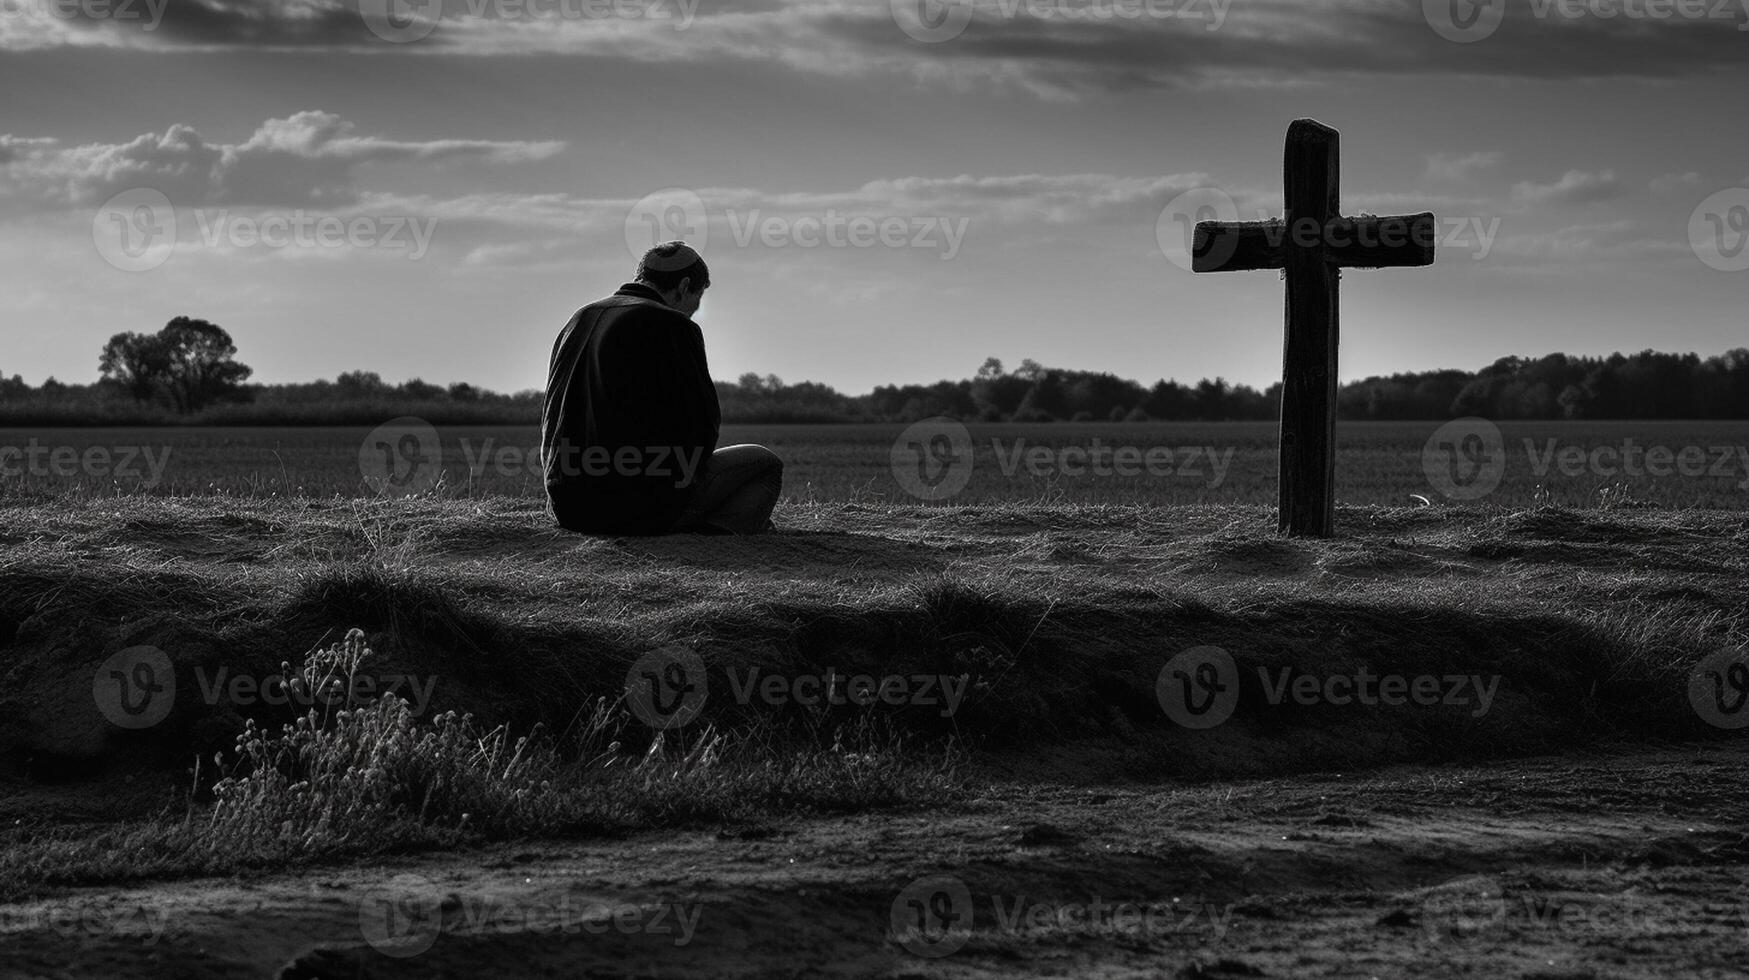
(629, 429)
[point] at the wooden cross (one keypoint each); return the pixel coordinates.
(1313, 242)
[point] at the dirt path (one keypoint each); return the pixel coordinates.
(1621, 864)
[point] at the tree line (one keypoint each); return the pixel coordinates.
(188, 373)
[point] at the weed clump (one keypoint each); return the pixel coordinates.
(373, 777)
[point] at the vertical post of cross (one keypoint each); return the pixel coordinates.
(1311, 179)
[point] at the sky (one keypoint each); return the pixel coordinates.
(886, 192)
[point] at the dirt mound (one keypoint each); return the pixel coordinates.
(1057, 634)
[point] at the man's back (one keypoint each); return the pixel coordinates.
(631, 413)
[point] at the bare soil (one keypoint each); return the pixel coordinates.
(1629, 863)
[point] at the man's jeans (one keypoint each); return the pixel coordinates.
(737, 490)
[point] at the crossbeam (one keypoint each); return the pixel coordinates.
(1396, 242)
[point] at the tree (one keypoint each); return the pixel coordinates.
(1044, 400)
(138, 362)
(1167, 400)
(419, 389)
(191, 363)
(360, 384)
(753, 384)
(1211, 399)
(996, 395)
(203, 365)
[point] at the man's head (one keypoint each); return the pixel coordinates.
(678, 273)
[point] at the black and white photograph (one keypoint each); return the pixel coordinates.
(902, 489)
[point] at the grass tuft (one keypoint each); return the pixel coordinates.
(374, 779)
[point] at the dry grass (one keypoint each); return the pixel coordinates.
(1059, 617)
(333, 783)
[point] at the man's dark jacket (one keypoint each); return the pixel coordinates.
(628, 385)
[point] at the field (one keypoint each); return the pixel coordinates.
(1568, 463)
(1032, 800)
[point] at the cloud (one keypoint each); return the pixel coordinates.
(307, 159)
(508, 226)
(544, 253)
(1578, 244)
(503, 230)
(1574, 187)
(1451, 167)
(321, 163)
(182, 24)
(1671, 183)
(1059, 49)
(16, 147)
(1055, 199)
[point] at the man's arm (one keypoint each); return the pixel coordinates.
(683, 377)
